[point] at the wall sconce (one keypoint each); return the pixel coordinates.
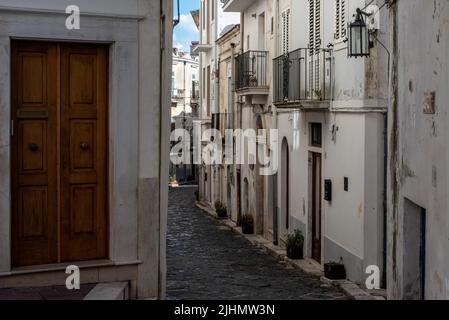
(359, 36)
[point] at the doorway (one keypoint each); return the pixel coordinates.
(315, 195)
(414, 251)
(285, 188)
(59, 152)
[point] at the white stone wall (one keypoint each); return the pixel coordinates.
(139, 93)
(419, 153)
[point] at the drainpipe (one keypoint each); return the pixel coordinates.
(275, 126)
(216, 66)
(275, 188)
(242, 32)
(233, 84)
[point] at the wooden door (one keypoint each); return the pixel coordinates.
(83, 151)
(34, 180)
(59, 154)
(316, 206)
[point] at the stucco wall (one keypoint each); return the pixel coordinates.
(419, 150)
(137, 227)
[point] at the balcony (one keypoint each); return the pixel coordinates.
(301, 76)
(251, 73)
(236, 5)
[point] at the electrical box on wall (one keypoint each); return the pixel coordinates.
(328, 190)
(346, 184)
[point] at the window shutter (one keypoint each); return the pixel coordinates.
(285, 45)
(343, 18)
(337, 19)
(314, 25)
(311, 23)
(340, 19)
(317, 24)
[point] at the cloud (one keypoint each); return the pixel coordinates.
(185, 32)
(187, 23)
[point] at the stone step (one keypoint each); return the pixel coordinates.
(109, 291)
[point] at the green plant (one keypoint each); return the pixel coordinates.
(295, 245)
(295, 240)
(221, 210)
(218, 205)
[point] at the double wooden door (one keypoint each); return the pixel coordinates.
(59, 152)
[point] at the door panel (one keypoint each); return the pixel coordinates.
(59, 153)
(33, 153)
(33, 147)
(83, 151)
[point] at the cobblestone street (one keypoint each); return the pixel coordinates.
(207, 261)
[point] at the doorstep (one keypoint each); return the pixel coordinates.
(109, 291)
(308, 266)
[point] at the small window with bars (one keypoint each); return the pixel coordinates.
(340, 20)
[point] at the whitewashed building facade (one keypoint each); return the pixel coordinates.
(418, 178)
(330, 111)
(213, 20)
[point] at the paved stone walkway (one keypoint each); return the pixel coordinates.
(207, 261)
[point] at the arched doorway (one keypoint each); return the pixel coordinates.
(285, 188)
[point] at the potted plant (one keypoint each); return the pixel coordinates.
(247, 224)
(335, 271)
(295, 245)
(221, 210)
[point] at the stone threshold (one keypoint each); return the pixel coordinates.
(308, 266)
(63, 266)
(109, 291)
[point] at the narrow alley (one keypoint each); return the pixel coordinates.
(207, 261)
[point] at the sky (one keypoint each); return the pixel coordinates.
(186, 31)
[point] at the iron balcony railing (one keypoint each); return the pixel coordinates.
(251, 70)
(303, 74)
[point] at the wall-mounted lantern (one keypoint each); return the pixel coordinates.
(359, 36)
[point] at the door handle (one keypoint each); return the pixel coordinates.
(33, 147)
(84, 146)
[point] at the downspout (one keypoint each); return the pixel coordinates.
(216, 65)
(275, 126)
(200, 171)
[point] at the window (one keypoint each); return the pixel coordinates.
(314, 24)
(285, 34)
(340, 19)
(316, 135)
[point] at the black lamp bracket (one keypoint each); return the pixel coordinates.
(360, 12)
